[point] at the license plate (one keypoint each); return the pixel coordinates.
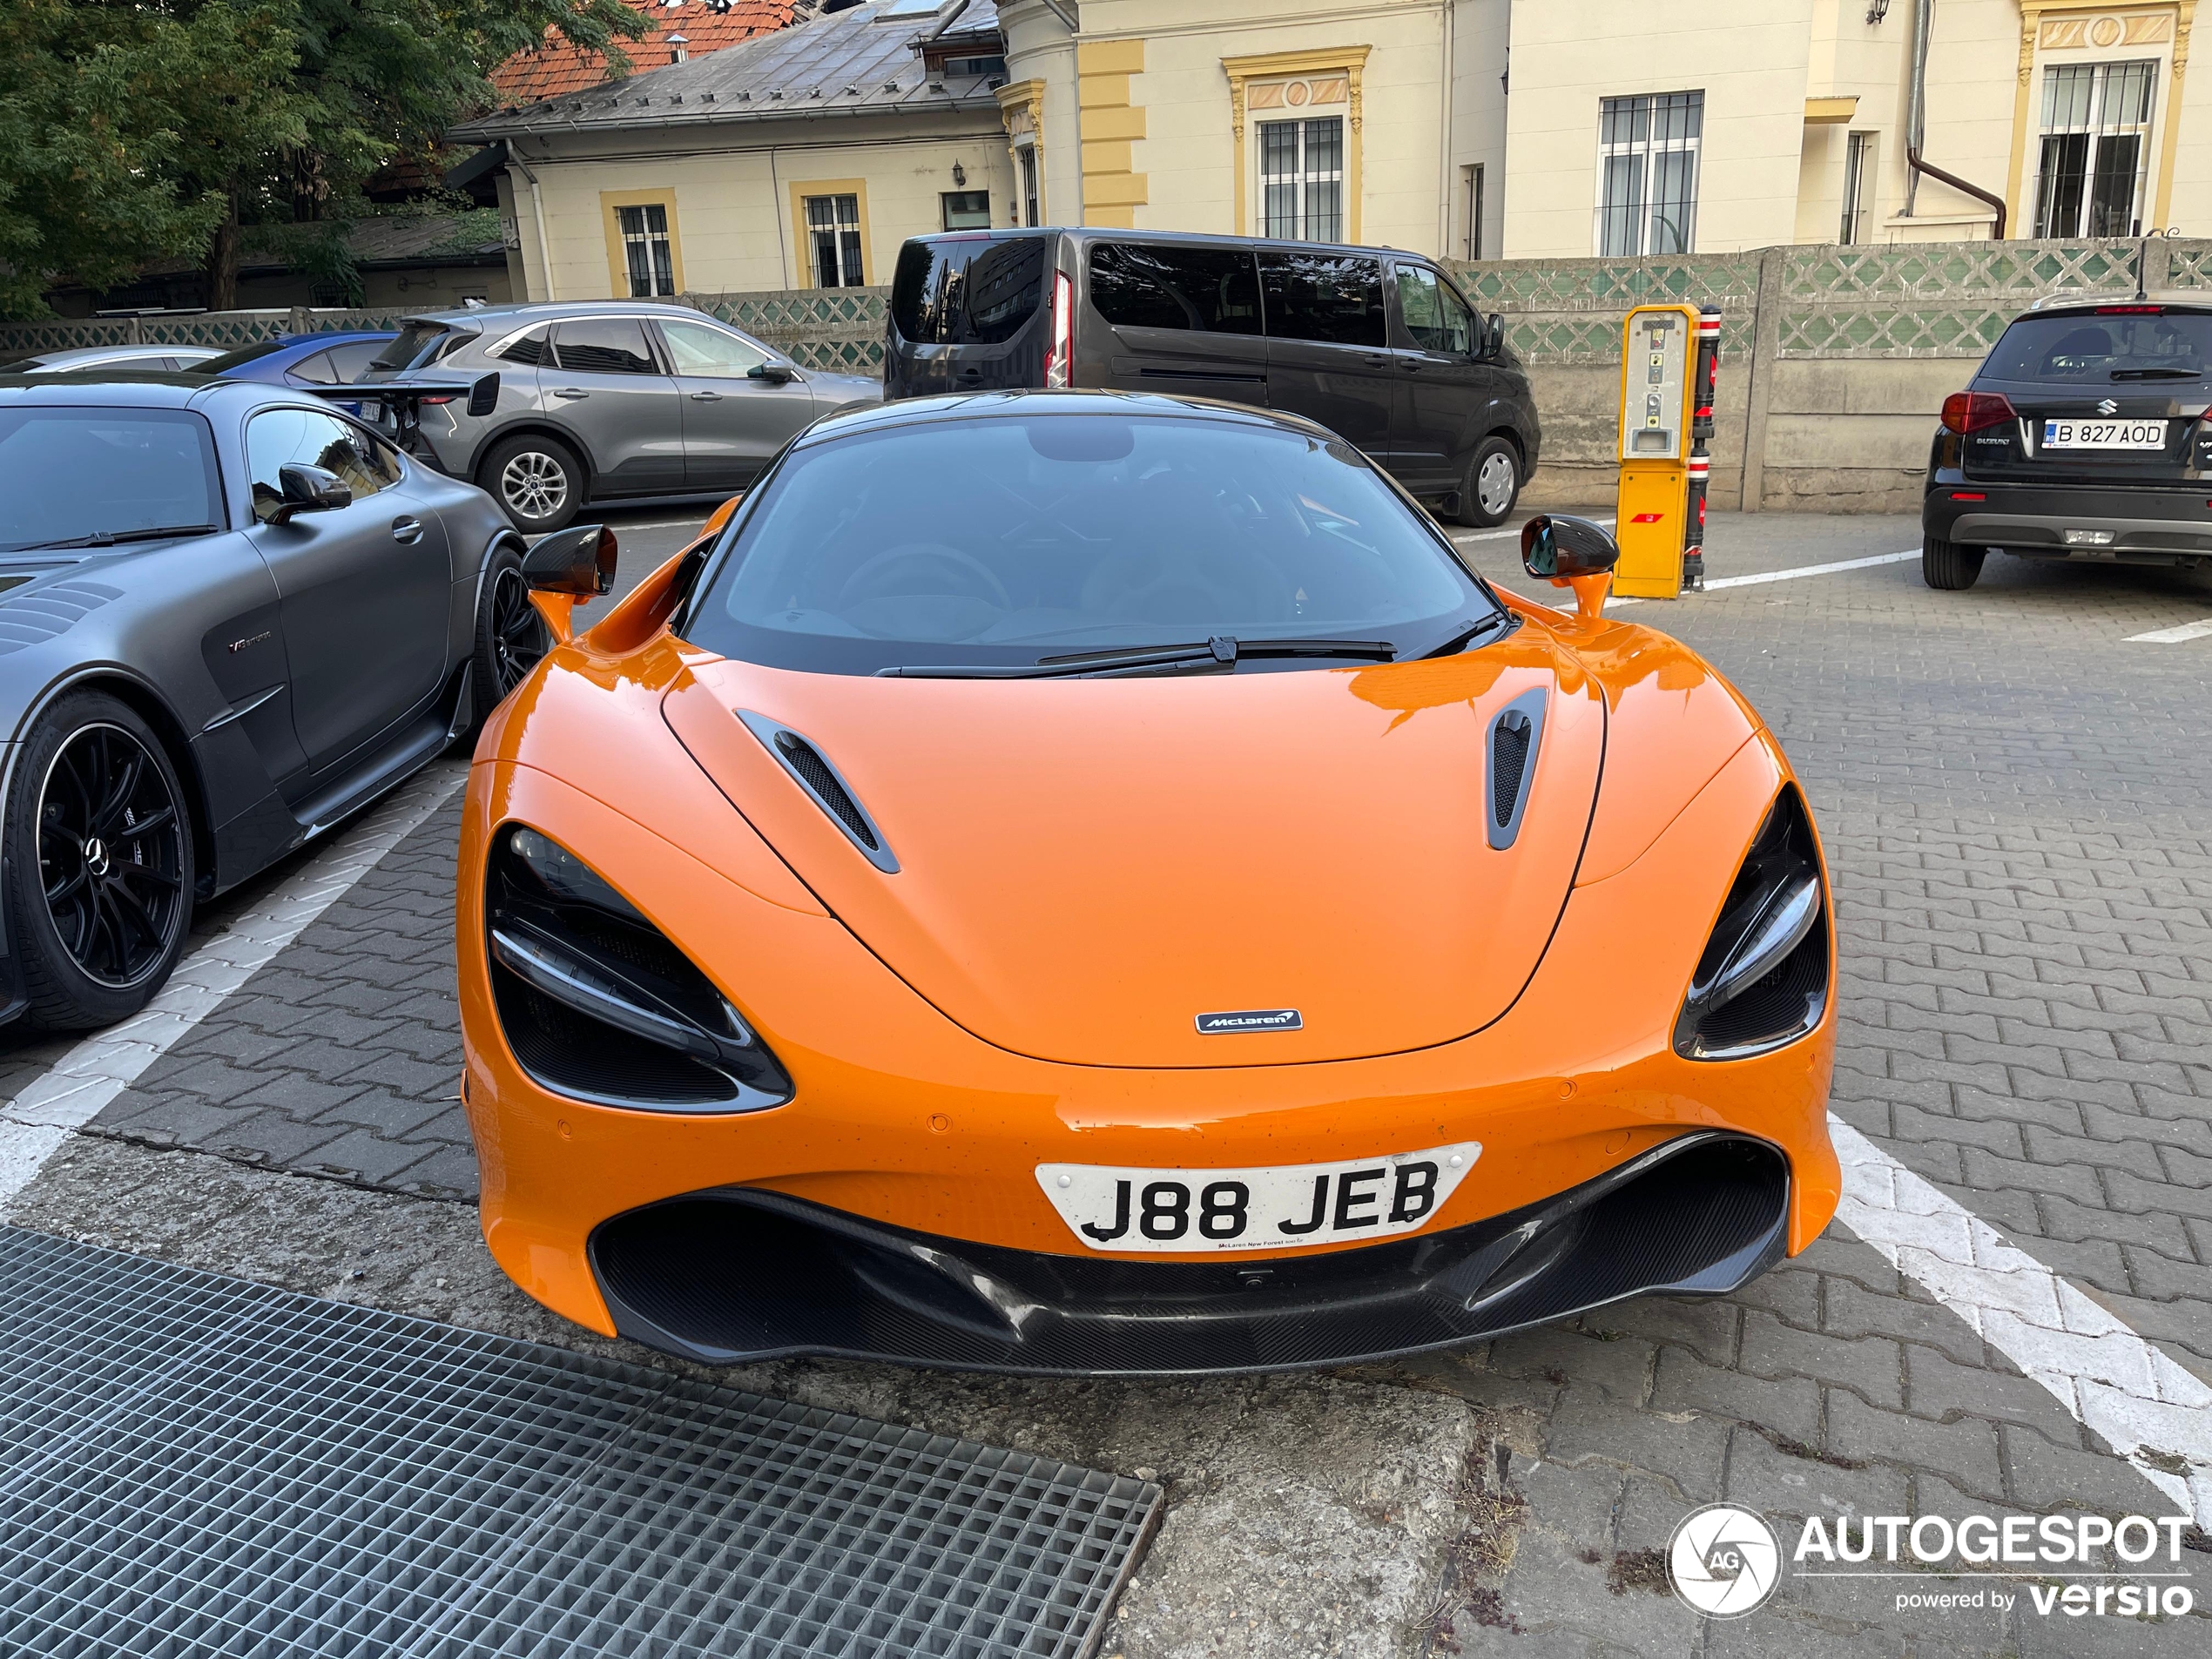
(1262, 1209)
(2104, 434)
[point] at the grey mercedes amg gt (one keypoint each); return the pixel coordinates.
(229, 617)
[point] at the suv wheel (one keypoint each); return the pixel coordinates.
(99, 887)
(1492, 484)
(1949, 566)
(538, 481)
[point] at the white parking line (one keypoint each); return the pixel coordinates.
(2147, 1408)
(2173, 636)
(70, 1095)
(1811, 569)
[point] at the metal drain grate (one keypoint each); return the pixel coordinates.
(193, 1466)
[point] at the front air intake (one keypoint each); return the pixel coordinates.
(1762, 980)
(1515, 733)
(824, 784)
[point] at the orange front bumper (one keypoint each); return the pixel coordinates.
(903, 1118)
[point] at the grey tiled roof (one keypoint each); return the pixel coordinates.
(859, 62)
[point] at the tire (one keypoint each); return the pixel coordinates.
(537, 482)
(511, 635)
(99, 888)
(1949, 566)
(1492, 474)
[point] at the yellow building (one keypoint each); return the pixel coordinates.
(1471, 129)
(1568, 128)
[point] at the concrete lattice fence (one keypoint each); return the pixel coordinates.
(1834, 359)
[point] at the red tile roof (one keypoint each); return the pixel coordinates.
(556, 67)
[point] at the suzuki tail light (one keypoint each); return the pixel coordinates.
(1064, 326)
(1972, 411)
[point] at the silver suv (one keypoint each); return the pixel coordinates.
(607, 399)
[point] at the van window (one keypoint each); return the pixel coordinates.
(967, 290)
(1214, 290)
(1333, 298)
(1435, 317)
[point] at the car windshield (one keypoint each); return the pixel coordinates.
(87, 476)
(409, 347)
(1005, 541)
(2120, 345)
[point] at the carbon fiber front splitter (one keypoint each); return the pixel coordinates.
(737, 1274)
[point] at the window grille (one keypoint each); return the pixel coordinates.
(2095, 149)
(1648, 173)
(833, 232)
(1301, 179)
(647, 250)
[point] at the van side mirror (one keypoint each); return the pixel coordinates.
(309, 489)
(1557, 547)
(579, 561)
(772, 372)
(1494, 336)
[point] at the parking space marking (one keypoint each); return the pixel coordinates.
(2151, 1411)
(2173, 636)
(67, 1096)
(1811, 570)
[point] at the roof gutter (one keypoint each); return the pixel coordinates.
(1916, 123)
(478, 133)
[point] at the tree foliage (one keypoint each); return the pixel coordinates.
(138, 130)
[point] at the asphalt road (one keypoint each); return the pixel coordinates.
(2014, 787)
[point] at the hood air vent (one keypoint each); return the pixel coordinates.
(1514, 737)
(823, 782)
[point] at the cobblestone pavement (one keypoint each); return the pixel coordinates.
(2017, 803)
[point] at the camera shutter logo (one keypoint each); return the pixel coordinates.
(1725, 1561)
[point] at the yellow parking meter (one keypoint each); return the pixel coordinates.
(1659, 375)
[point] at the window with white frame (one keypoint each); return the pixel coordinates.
(1301, 179)
(2095, 148)
(834, 241)
(1858, 187)
(647, 251)
(1647, 188)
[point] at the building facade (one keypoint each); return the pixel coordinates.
(1536, 129)
(1469, 129)
(800, 158)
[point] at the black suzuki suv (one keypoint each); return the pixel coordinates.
(2082, 435)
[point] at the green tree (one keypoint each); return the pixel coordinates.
(138, 130)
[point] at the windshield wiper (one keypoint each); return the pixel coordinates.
(2157, 374)
(109, 538)
(1474, 631)
(1217, 655)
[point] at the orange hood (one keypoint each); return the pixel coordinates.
(1086, 866)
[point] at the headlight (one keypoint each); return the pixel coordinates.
(599, 1004)
(1762, 980)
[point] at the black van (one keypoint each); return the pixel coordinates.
(1378, 346)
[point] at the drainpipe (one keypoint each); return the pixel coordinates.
(1916, 124)
(537, 214)
(1445, 181)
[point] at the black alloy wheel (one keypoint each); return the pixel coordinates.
(100, 865)
(111, 855)
(518, 638)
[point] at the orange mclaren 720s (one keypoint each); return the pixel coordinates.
(1070, 882)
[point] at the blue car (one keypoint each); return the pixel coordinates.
(301, 360)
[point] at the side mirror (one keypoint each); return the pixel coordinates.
(309, 489)
(578, 561)
(1556, 547)
(1494, 336)
(774, 372)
